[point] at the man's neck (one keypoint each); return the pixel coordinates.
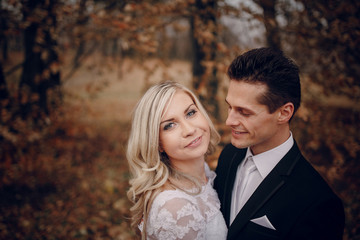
(276, 140)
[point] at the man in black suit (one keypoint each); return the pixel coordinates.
(267, 188)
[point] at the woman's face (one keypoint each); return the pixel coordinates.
(184, 131)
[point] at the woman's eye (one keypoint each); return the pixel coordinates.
(168, 126)
(191, 113)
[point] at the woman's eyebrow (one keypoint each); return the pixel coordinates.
(168, 120)
(187, 109)
(172, 119)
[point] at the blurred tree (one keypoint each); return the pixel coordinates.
(40, 68)
(142, 27)
(328, 31)
(270, 22)
(203, 22)
(3, 29)
(4, 93)
(82, 19)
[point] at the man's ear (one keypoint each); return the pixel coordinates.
(286, 112)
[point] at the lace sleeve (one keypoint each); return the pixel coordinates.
(175, 218)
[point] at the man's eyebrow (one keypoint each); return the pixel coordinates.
(233, 106)
(240, 108)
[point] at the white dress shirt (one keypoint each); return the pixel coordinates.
(264, 162)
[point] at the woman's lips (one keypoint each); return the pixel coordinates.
(195, 143)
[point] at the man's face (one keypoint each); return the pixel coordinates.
(251, 123)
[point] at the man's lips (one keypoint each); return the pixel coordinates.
(195, 142)
(238, 132)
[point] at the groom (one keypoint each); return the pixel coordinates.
(267, 188)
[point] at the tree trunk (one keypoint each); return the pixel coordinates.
(204, 41)
(272, 28)
(40, 69)
(3, 38)
(81, 21)
(4, 93)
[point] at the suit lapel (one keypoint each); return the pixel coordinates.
(269, 186)
(230, 181)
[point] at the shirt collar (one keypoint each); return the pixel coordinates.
(266, 161)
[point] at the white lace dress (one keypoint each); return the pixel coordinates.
(175, 214)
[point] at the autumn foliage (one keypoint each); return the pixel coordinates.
(71, 72)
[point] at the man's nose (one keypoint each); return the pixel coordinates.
(232, 119)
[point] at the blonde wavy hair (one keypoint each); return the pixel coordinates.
(150, 169)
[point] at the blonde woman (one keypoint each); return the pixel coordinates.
(171, 184)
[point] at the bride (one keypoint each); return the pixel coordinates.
(172, 186)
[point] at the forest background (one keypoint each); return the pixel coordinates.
(72, 70)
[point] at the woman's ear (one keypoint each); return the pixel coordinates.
(286, 112)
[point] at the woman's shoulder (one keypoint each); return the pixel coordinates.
(174, 214)
(170, 197)
(173, 204)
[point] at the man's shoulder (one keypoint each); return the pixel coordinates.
(312, 178)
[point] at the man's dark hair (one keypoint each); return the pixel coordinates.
(270, 67)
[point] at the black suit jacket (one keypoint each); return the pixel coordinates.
(294, 197)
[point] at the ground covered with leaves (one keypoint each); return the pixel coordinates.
(68, 183)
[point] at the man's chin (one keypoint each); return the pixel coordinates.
(236, 143)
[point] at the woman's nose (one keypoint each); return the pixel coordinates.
(188, 129)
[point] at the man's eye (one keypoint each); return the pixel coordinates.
(168, 126)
